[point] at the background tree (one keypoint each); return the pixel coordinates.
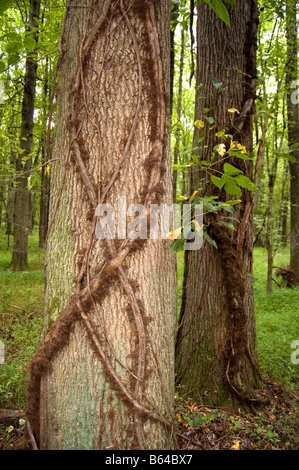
(293, 130)
(216, 343)
(23, 163)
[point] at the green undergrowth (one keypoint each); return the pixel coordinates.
(21, 298)
(277, 321)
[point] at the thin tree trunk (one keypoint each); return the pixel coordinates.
(45, 176)
(216, 354)
(293, 130)
(103, 376)
(23, 165)
(283, 209)
(178, 130)
(272, 174)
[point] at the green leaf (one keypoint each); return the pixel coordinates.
(4, 5)
(2, 66)
(216, 82)
(231, 186)
(209, 239)
(238, 154)
(233, 202)
(227, 224)
(220, 10)
(210, 120)
(230, 169)
(190, 150)
(219, 182)
(178, 245)
(29, 43)
(245, 182)
(13, 59)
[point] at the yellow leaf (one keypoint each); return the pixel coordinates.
(199, 124)
(180, 419)
(232, 144)
(233, 110)
(197, 226)
(236, 446)
(242, 148)
(221, 150)
(182, 198)
(175, 234)
(48, 169)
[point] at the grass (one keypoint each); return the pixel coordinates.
(277, 321)
(21, 299)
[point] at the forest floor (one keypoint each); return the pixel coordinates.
(271, 427)
(199, 427)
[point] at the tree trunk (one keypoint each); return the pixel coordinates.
(283, 209)
(20, 246)
(178, 130)
(103, 375)
(216, 354)
(44, 198)
(293, 130)
(45, 176)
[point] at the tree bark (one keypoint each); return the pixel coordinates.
(283, 208)
(293, 130)
(23, 164)
(103, 375)
(216, 357)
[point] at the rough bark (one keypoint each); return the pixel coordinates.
(216, 354)
(293, 130)
(103, 375)
(23, 164)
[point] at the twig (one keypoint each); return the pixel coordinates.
(31, 436)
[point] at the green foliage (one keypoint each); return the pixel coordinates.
(277, 319)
